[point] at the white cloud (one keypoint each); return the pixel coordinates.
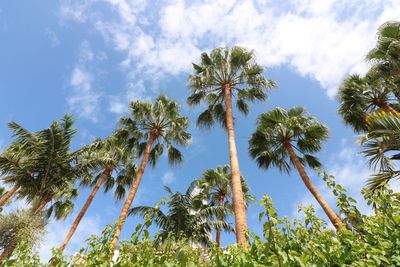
(3, 22)
(75, 10)
(168, 178)
(54, 41)
(136, 91)
(85, 54)
(321, 39)
(117, 106)
(84, 99)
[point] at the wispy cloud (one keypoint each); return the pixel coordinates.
(54, 41)
(168, 178)
(83, 99)
(3, 22)
(135, 91)
(321, 39)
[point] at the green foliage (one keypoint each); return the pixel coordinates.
(22, 230)
(234, 68)
(280, 127)
(367, 241)
(187, 217)
(161, 119)
(360, 97)
(42, 164)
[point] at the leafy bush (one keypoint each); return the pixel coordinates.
(365, 241)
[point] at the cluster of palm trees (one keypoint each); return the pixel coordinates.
(41, 168)
(370, 105)
(203, 208)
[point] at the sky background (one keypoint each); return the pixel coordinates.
(90, 58)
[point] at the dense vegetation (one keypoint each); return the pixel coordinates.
(41, 168)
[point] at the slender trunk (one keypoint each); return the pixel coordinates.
(218, 231)
(238, 201)
(134, 188)
(333, 217)
(43, 203)
(78, 218)
(9, 194)
(388, 107)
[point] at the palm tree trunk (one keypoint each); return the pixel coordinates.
(9, 194)
(134, 188)
(389, 108)
(218, 231)
(78, 218)
(333, 217)
(43, 203)
(238, 201)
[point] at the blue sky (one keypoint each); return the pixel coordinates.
(91, 57)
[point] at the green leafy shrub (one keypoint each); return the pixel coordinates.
(365, 241)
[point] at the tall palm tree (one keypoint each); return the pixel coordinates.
(40, 163)
(153, 127)
(43, 166)
(103, 157)
(216, 187)
(361, 96)
(279, 133)
(185, 218)
(222, 75)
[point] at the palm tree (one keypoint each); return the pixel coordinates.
(186, 217)
(17, 227)
(361, 96)
(43, 167)
(40, 163)
(12, 171)
(102, 158)
(224, 74)
(385, 55)
(153, 127)
(216, 187)
(381, 146)
(279, 133)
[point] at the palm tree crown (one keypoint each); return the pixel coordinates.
(185, 218)
(43, 164)
(161, 120)
(226, 67)
(381, 146)
(215, 187)
(217, 183)
(361, 96)
(387, 50)
(279, 127)
(110, 154)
